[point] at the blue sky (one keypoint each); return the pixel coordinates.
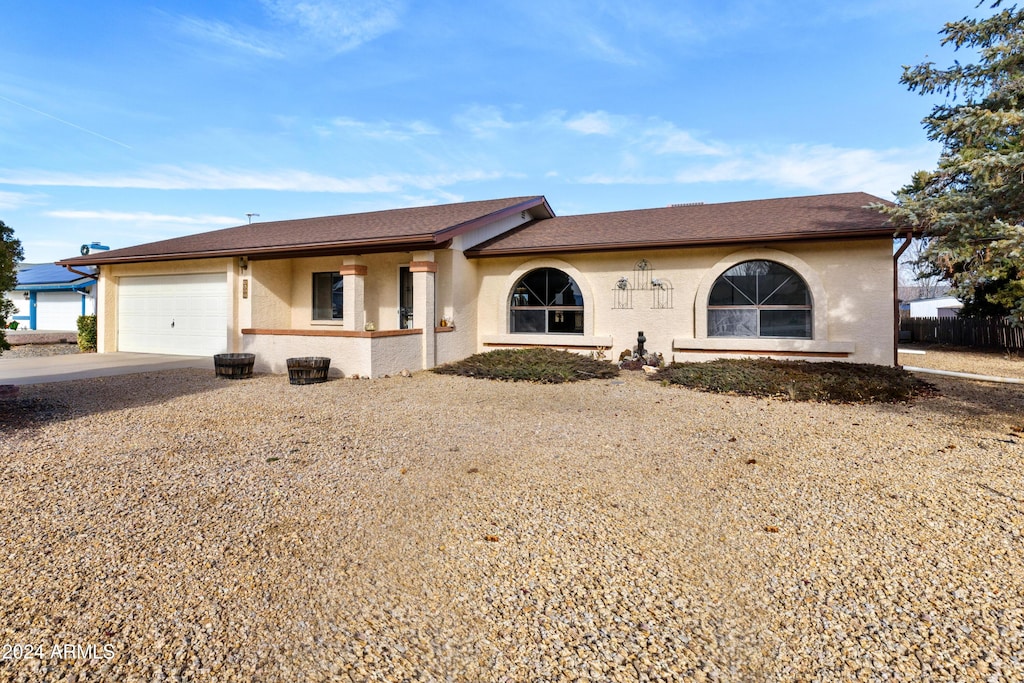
(131, 121)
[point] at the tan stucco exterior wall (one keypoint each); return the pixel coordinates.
(851, 286)
(457, 301)
(850, 282)
(271, 293)
(285, 299)
(285, 302)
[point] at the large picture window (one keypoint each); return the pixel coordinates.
(546, 301)
(760, 299)
(328, 296)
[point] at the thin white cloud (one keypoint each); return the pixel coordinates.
(143, 217)
(483, 121)
(602, 48)
(593, 123)
(384, 130)
(243, 39)
(623, 179)
(822, 168)
(591, 30)
(814, 168)
(299, 27)
(339, 25)
(210, 178)
(650, 134)
(16, 200)
(437, 197)
(666, 138)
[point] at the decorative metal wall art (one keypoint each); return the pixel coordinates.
(643, 280)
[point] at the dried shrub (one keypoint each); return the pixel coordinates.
(827, 382)
(546, 366)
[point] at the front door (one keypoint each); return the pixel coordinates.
(404, 298)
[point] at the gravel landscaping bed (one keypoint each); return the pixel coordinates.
(173, 526)
(37, 350)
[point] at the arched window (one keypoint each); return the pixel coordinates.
(546, 301)
(760, 299)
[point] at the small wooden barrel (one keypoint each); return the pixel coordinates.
(308, 370)
(234, 365)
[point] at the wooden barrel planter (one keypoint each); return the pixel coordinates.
(308, 370)
(234, 365)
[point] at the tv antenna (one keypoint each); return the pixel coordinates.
(250, 215)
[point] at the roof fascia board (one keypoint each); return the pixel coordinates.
(67, 286)
(633, 246)
(405, 243)
(290, 251)
(345, 250)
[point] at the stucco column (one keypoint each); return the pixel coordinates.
(244, 296)
(423, 271)
(353, 305)
(106, 312)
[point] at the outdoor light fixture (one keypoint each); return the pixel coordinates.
(243, 262)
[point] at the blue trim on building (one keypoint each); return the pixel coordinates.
(31, 310)
(77, 287)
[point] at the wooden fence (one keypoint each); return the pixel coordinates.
(990, 333)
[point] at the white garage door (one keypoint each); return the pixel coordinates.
(178, 314)
(58, 310)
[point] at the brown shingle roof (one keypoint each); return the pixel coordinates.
(396, 229)
(767, 220)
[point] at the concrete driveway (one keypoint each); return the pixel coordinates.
(41, 369)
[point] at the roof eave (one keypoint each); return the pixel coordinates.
(678, 244)
(263, 253)
(56, 287)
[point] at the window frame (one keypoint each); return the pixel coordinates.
(757, 305)
(337, 279)
(551, 311)
(406, 297)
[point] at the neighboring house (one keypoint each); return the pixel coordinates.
(935, 307)
(49, 297)
(805, 277)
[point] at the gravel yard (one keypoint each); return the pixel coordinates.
(37, 350)
(174, 526)
(992, 363)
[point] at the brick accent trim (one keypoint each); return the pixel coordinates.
(331, 333)
(353, 270)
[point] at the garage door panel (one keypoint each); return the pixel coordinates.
(58, 310)
(177, 314)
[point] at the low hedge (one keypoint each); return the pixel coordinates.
(87, 333)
